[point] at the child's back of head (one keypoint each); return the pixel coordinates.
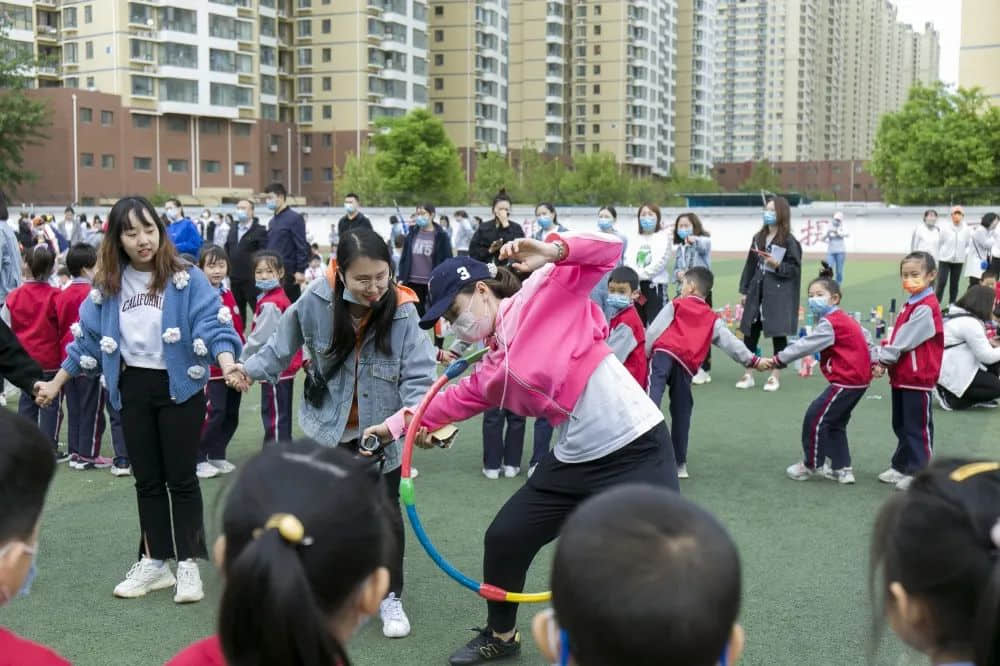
(80, 257)
(935, 562)
(40, 261)
(306, 540)
(642, 576)
(701, 280)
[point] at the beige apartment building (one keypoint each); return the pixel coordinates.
(980, 51)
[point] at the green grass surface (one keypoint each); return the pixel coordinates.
(804, 545)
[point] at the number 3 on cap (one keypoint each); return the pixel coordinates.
(463, 273)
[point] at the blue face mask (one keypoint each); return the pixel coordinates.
(267, 285)
(770, 218)
(272, 204)
(544, 222)
(683, 233)
(618, 302)
(819, 305)
(421, 222)
(647, 223)
(241, 215)
(605, 224)
(351, 298)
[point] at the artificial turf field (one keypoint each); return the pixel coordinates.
(803, 545)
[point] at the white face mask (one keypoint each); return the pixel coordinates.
(469, 327)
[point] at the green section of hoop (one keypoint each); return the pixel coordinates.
(406, 491)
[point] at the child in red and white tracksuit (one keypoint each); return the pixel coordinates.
(846, 356)
(275, 399)
(913, 356)
(31, 312)
(677, 343)
(626, 336)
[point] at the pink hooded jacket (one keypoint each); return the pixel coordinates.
(552, 335)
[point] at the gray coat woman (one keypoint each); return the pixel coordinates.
(770, 285)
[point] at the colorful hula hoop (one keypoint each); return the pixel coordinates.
(485, 590)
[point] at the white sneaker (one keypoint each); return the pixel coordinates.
(224, 466)
(144, 577)
(772, 384)
(121, 470)
(188, 583)
(942, 403)
(799, 472)
(701, 377)
(414, 472)
(531, 470)
(891, 476)
(488, 473)
(206, 470)
(395, 624)
(904, 483)
(844, 475)
(510, 471)
(682, 472)
(746, 383)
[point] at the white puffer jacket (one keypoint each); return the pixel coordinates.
(966, 350)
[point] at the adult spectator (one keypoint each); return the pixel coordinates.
(836, 249)
(461, 233)
(353, 217)
(246, 238)
(951, 257)
(181, 229)
(71, 226)
(45, 231)
(968, 368)
(491, 235)
(770, 285)
(286, 236)
(11, 275)
(222, 227)
(977, 259)
(426, 246)
(650, 257)
(927, 237)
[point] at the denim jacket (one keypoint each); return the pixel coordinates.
(385, 383)
(10, 261)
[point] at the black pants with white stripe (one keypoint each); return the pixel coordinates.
(824, 428)
(914, 427)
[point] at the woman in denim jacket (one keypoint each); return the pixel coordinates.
(361, 332)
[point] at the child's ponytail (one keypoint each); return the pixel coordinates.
(825, 278)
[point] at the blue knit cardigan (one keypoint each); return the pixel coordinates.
(196, 329)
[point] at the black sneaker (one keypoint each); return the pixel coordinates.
(486, 647)
(61, 456)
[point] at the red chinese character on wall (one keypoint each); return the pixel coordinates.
(812, 232)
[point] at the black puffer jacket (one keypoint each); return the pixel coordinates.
(488, 233)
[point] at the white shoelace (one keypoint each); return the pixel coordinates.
(392, 609)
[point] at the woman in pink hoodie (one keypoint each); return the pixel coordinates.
(547, 358)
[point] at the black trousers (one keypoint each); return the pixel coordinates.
(291, 287)
(245, 295)
(779, 341)
(913, 423)
(501, 448)
(656, 296)
(85, 422)
(533, 516)
(946, 270)
(985, 386)
(542, 439)
(222, 417)
(422, 300)
(395, 513)
(665, 371)
(824, 428)
(163, 440)
(707, 364)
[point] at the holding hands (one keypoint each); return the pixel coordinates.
(878, 371)
(236, 377)
(45, 393)
(765, 364)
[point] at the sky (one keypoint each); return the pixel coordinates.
(947, 18)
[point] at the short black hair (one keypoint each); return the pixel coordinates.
(80, 256)
(276, 189)
(461, 213)
(625, 275)
(26, 469)
(701, 278)
(69, 209)
(429, 207)
(926, 258)
(639, 573)
(930, 211)
(176, 202)
(352, 195)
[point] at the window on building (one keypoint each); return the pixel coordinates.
(141, 121)
(597, 88)
(223, 94)
(305, 114)
(595, 148)
(86, 114)
(327, 140)
(87, 160)
(179, 20)
(327, 112)
(107, 118)
(69, 52)
(177, 166)
(184, 55)
(142, 86)
(179, 90)
(597, 10)
(142, 163)
(438, 10)
(597, 31)
(211, 166)
(90, 83)
(327, 83)
(305, 57)
(439, 107)
(142, 50)
(597, 49)
(240, 129)
(69, 17)
(305, 28)
(327, 54)
(596, 129)
(597, 69)
(276, 175)
(241, 169)
(88, 14)
(305, 85)
(438, 59)
(597, 109)
(328, 174)
(210, 126)
(88, 50)
(438, 83)
(177, 123)
(107, 161)
(439, 35)
(307, 175)
(326, 26)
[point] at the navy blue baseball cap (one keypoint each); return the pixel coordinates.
(449, 278)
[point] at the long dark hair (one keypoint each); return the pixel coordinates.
(697, 228)
(939, 541)
(113, 259)
(40, 261)
(783, 227)
(978, 301)
(280, 593)
(361, 243)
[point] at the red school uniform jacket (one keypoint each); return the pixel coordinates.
(17, 651)
(689, 335)
(918, 368)
(635, 362)
(847, 362)
(276, 299)
(68, 303)
(229, 303)
(34, 320)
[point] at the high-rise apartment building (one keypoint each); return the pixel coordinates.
(695, 84)
(980, 51)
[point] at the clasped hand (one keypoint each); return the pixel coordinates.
(45, 393)
(236, 377)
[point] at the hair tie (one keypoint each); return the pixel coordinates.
(492, 268)
(970, 470)
(289, 527)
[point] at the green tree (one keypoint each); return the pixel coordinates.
(493, 173)
(762, 177)
(941, 146)
(22, 119)
(361, 175)
(595, 180)
(539, 177)
(417, 161)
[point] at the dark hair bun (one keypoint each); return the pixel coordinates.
(825, 271)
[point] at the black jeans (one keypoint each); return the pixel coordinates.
(946, 270)
(779, 341)
(422, 299)
(291, 287)
(395, 513)
(245, 295)
(500, 448)
(163, 439)
(656, 296)
(985, 386)
(533, 516)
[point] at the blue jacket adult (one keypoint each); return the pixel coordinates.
(286, 235)
(185, 236)
(442, 250)
(11, 276)
(196, 329)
